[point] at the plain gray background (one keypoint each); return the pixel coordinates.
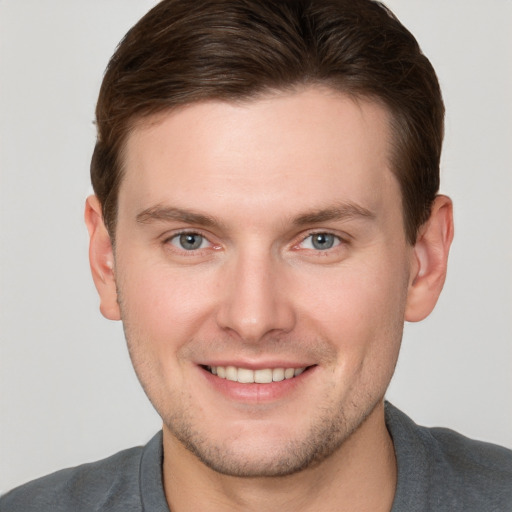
(68, 393)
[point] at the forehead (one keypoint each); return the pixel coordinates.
(293, 148)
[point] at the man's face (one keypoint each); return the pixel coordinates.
(258, 241)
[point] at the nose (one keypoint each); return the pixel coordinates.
(255, 303)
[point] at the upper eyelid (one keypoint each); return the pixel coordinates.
(185, 231)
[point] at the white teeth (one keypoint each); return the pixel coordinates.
(231, 373)
(289, 373)
(247, 376)
(278, 374)
(263, 376)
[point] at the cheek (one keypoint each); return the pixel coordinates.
(161, 312)
(370, 327)
(360, 309)
(166, 301)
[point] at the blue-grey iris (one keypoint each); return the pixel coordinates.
(190, 241)
(322, 241)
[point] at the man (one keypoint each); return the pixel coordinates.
(265, 218)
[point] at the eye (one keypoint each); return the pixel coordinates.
(320, 241)
(189, 241)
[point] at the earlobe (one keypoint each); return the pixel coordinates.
(101, 259)
(431, 258)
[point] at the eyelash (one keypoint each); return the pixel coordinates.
(338, 241)
(176, 236)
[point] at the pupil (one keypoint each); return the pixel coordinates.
(323, 241)
(190, 241)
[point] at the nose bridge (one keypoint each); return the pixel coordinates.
(255, 302)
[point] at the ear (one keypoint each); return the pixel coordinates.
(101, 259)
(430, 260)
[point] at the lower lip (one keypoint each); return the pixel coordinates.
(253, 392)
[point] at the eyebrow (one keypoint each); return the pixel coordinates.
(341, 211)
(168, 213)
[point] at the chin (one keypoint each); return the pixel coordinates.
(290, 458)
(270, 454)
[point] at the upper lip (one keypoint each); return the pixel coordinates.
(257, 365)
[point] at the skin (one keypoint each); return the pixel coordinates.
(254, 181)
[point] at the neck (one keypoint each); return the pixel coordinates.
(359, 476)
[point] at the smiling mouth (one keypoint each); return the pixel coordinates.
(248, 376)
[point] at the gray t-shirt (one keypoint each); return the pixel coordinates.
(438, 470)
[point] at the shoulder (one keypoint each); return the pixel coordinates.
(93, 486)
(448, 470)
(481, 467)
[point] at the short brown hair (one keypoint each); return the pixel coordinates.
(184, 51)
